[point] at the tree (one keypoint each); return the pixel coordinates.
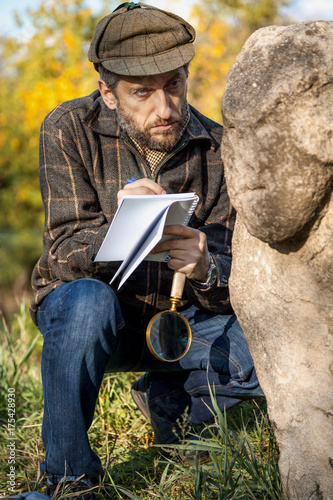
(222, 27)
(36, 73)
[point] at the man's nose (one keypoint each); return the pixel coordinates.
(162, 104)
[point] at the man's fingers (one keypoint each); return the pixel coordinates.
(182, 237)
(187, 249)
(144, 184)
(180, 231)
(140, 187)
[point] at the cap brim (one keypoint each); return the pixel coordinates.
(151, 65)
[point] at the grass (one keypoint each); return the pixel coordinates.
(243, 453)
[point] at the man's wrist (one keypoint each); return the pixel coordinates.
(211, 275)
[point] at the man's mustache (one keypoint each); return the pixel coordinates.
(164, 122)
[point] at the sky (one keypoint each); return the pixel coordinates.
(302, 10)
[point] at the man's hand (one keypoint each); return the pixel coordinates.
(188, 251)
(140, 187)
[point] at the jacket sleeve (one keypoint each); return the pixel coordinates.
(75, 225)
(218, 229)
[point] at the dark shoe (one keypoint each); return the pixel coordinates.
(165, 433)
(163, 430)
(73, 490)
(139, 392)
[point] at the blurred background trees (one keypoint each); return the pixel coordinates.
(222, 28)
(36, 73)
(50, 66)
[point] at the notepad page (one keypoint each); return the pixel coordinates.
(132, 222)
(178, 213)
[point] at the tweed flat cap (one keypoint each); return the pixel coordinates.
(139, 40)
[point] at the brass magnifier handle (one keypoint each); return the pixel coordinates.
(177, 288)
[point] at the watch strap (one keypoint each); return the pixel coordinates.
(211, 275)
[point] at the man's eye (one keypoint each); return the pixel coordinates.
(141, 92)
(175, 83)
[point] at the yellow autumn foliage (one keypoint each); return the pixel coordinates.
(45, 96)
(222, 27)
(38, 73)
(69, 40)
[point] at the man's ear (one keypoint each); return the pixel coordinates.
(107, 95)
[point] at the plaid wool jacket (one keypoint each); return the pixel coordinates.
(85, 159)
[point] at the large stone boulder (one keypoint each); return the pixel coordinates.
(278, 154)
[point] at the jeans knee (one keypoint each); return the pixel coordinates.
(83, 311)
(93, 297)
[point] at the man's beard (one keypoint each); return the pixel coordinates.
(163, 141)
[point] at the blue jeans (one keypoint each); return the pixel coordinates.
(85, 335)
(31, 495)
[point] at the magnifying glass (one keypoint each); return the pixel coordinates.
(168, 333)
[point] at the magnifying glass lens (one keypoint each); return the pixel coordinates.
(170, 336)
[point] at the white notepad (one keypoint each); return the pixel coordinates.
(138, 226)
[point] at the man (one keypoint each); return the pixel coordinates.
(137, 126)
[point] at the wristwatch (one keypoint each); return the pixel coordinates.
(211, 276)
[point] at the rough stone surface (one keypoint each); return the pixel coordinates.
(278, 154)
